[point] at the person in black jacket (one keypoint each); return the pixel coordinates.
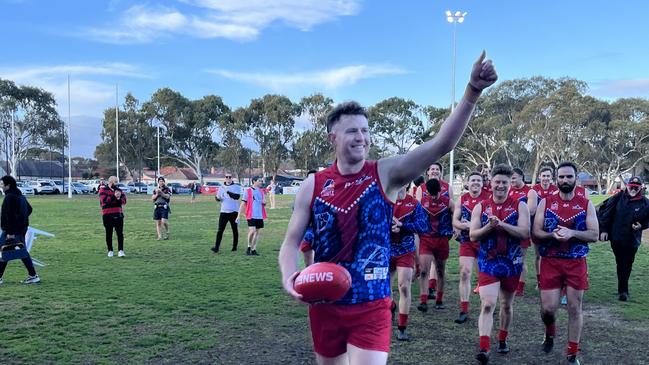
(622, 219)
(14, 221)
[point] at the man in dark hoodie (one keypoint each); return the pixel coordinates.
(621, 220)
(14, 222)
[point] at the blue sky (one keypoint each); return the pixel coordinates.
(365, 50)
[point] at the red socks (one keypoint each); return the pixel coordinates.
(403, 321)
(485, 343)
(432, 283)
(502, 335)
(464, 307)
(550, 329)
(573, 348)
(423, 298)
(439, 297)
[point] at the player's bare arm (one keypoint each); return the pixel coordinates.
(522, 228)
(396, 171)
(457, 217)
(591, 234)
(476, 233)
(289, 252)
(537, 228)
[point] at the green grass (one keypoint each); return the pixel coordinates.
(175, 301)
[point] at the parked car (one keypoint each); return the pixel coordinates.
(210, 187)
(137, 187)
(25, 188)
(177, 188)
(79, 188)
(93, 185)
(41, 187)
(124, 188)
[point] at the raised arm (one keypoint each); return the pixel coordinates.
(396, 171)
(532, 198)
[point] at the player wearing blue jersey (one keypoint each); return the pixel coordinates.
(498, 224)
(350, 208)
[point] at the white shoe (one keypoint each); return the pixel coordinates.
(1, 281)
(32, 280)
(121, 253)
(110, 253)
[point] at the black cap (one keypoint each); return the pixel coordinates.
(636, 180)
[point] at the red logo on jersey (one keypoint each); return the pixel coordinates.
(328, 189)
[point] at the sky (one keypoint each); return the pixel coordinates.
(364, 50)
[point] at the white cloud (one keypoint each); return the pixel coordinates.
(621, 88)
(27, 74)
(88, 97)
(231, 19)
(326, 79)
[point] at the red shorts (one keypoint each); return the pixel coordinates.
(507, 283)
(405, 260)
(367, 326)
(469, 249)
(526, 243)
(557, 273)
(436, 246)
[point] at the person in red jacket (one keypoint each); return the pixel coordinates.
(111, 199)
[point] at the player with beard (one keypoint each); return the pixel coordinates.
(521, 192)
(468, 249)
(434, 171)
(408, 218)
(499, 223)
(563, 227)
(350, 206)
(434, 245)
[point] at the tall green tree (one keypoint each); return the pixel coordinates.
(37, 124)
(190, 127)
(270, 121)
(137, 145)
(396, 124)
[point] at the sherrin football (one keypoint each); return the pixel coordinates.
(323, 281)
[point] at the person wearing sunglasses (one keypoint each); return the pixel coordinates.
(622, 219)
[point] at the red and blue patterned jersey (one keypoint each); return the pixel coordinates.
(443, 188)
(544, 193)
(439, 213)
(467, 203)
(570, 214)
(351, 220)
(500, 254)
(519, 194)
(414, 220)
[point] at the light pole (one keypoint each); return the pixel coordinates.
(457, 17)
(158, 174)
(117, 131)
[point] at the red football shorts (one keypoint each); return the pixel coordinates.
(507, 283)
(405, 260)
(436, 246)
(557, 273)
(469, 249)
(366, 326)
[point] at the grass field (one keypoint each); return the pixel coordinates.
(171, 302)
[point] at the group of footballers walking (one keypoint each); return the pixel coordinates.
(494, 222)
(357, 213)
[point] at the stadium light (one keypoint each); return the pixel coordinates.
(458, 17)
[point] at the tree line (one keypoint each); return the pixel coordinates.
(527, 123)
